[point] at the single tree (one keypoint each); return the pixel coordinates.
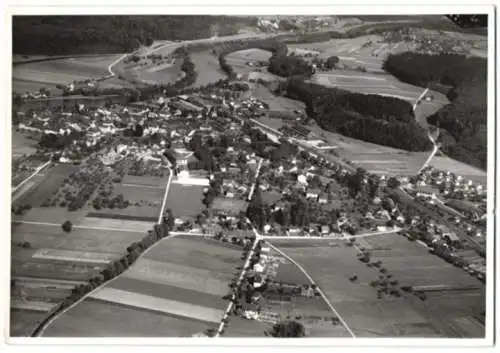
(67, 226)
(289, 328)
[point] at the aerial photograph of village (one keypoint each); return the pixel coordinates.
(249, 176)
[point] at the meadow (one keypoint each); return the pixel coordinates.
(185, 200)
(29, 77)
(207, 68)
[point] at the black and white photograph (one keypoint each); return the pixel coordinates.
(245, 175)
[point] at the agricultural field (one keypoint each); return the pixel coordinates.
(42, 236)
(238, 59)
(365, 51)
(33, 76)
(380, 84)
(141, 194)
(23, 321)
(152, 181)
(54, 262)
(374, 158)
(185, 200)
(388, 316)
(208, 68)
(176, 289)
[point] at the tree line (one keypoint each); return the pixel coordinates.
(464, 119)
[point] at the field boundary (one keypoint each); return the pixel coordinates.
(318, 288)
(39, 331)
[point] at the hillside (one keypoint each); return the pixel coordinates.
(59, 35)
(465, 119)
(382, 120)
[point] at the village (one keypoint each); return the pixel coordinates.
(282, 181)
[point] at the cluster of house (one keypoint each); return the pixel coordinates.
(453, 186)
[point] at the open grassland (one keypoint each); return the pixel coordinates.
(50, 215)
(45, 274)
(84, 240)
(454, 299)
(146, 213)
(185, 200)
(459, 168)
(94, 318)
(22, 321)
(74, 256)
(276, 103)
(21, 144)
(153, 195)
(116, 224)
(238, 59)
(365, 51)
(33, 76)
(161, 74)
(249, 55)
(51, 181)
(366, 315)
(313, 312)
(180, 282)
(409, 264)
(381, 84)
(374, 158)
(207, 67)
(153, 303)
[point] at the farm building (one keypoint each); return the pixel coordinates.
(299, 130)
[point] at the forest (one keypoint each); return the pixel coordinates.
(382, 120)
(465, 118)
(61, 35)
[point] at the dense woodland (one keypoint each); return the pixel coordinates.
(464, 120)
(59, 35)
(382, 120)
